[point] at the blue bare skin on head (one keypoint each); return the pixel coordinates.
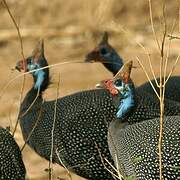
(127, 102)
(39, 74)
(40, 78)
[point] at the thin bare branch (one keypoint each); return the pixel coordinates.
(152, 25)
(167, 55)
(117, 165)
(165, 32)
(171, 37)
(16, 26)
(162, 90)
(179, 16)
(102, 160)
(29, 72)
(172, 70)
(147, 77)
(53, 127)
(150, 63)
(28, 109)
(9, 117)
(30, 134)
(115, 169)
(69, 174)
(20, 100)
(22, 53)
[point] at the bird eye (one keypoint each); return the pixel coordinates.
(118, 82)
(103, 51)
(30, 64)
(29, 61)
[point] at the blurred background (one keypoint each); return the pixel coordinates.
(70, 30)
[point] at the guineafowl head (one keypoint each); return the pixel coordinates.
(36, 61)
(122, 89)
(105, 54)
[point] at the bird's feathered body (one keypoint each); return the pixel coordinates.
(81, 125)
(172, 90)
(134, 145)
(136, 148)
(109, 57)
(11, 163)
(82, 120)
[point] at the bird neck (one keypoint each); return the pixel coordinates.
(34, 96)
(41, 80)
(115, 63)
(126, 104)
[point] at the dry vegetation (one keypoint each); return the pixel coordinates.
(67, 26)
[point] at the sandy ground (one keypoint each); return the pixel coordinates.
(70, 29)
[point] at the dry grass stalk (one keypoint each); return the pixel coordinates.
(163, 79)
(147, 76)
(117, 169)
(152, 25)
(149, 59)
(168, 52)
(16, 26)
(31, 104)
(20, 100)
(114, 168)
(9, 116)
(117, 165)
(173, 37)
(162, 93)
(22, 53)
(173, 68)
(29, 72)
(30, 134)
(179, 16)
(69, 174)
(102, 160)
(52, 133)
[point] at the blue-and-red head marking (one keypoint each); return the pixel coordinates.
(34, 63)
(122, 85)
(105, 54)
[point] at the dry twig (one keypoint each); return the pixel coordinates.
(30, 134)
(53, 128)
(140, 63)
(150, 63)
(69, 174)
(102, 160)
(22, 53)
(29, 72)
(152, 25)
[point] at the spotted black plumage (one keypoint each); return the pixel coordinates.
(109, 57)
(172, 88)
(81, 124)
(136, 148)
(11, 163)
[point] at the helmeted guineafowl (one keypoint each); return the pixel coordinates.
(11, 163)
(108, 56)
(81, 121)
(134, 147)
(79, 128)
